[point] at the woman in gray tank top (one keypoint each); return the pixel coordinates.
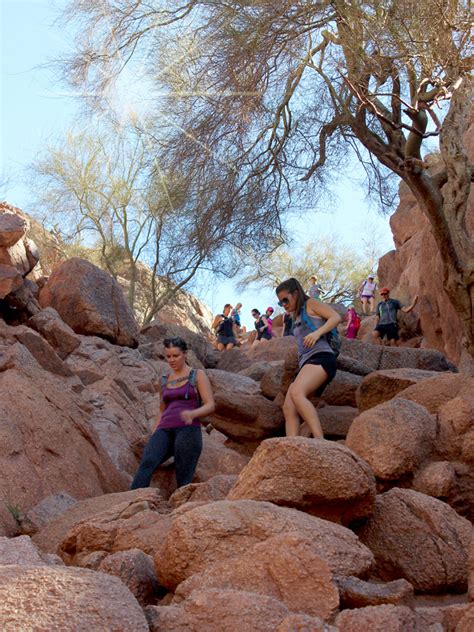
(316, 359)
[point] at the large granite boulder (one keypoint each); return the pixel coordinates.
(47, 444)
(59, 598)
(420, 539)
(91, 302)
(393, 438)
(320, 477)
(53, 533)
(214, 610)
(284, 567)
(212, 532)
(242, 413)
(380, 386)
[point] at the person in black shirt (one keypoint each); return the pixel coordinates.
(387, 317)
(287, 324)
(261, 325)
(224, 327)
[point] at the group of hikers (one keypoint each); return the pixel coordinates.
(228, 328)
(186, 394)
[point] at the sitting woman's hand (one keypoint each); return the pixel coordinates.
(187, 416)
(311, 339)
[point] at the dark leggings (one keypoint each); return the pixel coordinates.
(184, 443)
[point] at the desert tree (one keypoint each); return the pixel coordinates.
(103, 199)
(283, 91)
(339, 269)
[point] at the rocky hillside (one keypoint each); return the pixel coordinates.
(368, 529)
(183, 308)
(414, 267)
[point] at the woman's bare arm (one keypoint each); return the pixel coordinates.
(405, 310)
(316, 308)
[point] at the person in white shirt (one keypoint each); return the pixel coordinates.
(315, 290)
(367, 294)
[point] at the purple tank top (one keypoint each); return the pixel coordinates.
(175, 402)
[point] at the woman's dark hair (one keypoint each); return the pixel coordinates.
(293, 286)
(226, 306)
(175, 342)
(255, 311)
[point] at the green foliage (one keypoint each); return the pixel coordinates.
(340, 270)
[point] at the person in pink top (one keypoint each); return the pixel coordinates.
(269, 315)
(353, 323)
(186, 395)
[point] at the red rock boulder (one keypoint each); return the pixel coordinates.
(224, 529)
(320, 477)
(242, 413)
(356, 593)
(91, 302)
(216, 488)
(46, 442)
(59, 598)
(60, 336)
(436, 391)
(394, 438)
(380, 386)
(133, 524)
(215, 610)
(55, 531)
(136, 570)
(284, 567)
(377, 618)
(418, 538)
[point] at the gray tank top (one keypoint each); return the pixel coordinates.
(301, 330)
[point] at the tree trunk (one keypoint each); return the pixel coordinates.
(444, 201)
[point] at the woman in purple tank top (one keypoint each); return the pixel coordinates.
(186, 395)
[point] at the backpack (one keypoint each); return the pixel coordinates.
(192, 381)
(332, 337)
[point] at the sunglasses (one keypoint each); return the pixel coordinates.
(383, 293)
(284, 302)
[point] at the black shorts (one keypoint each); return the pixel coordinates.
(226, 340)
(390, 330)
(329, 363)
(266, 335)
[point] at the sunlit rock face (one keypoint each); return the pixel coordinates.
(414, 267)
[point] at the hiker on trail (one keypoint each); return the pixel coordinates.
(287, 328)
(269, 316)
(235, 315)
(353, 323)
(387, 317)
(186, 395)
(367, 294)
(313, 323)
(261, 325)
(225, 329)
(315, 290)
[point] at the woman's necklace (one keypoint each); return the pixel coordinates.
(178, 379)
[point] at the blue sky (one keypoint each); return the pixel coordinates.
(35, 109)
